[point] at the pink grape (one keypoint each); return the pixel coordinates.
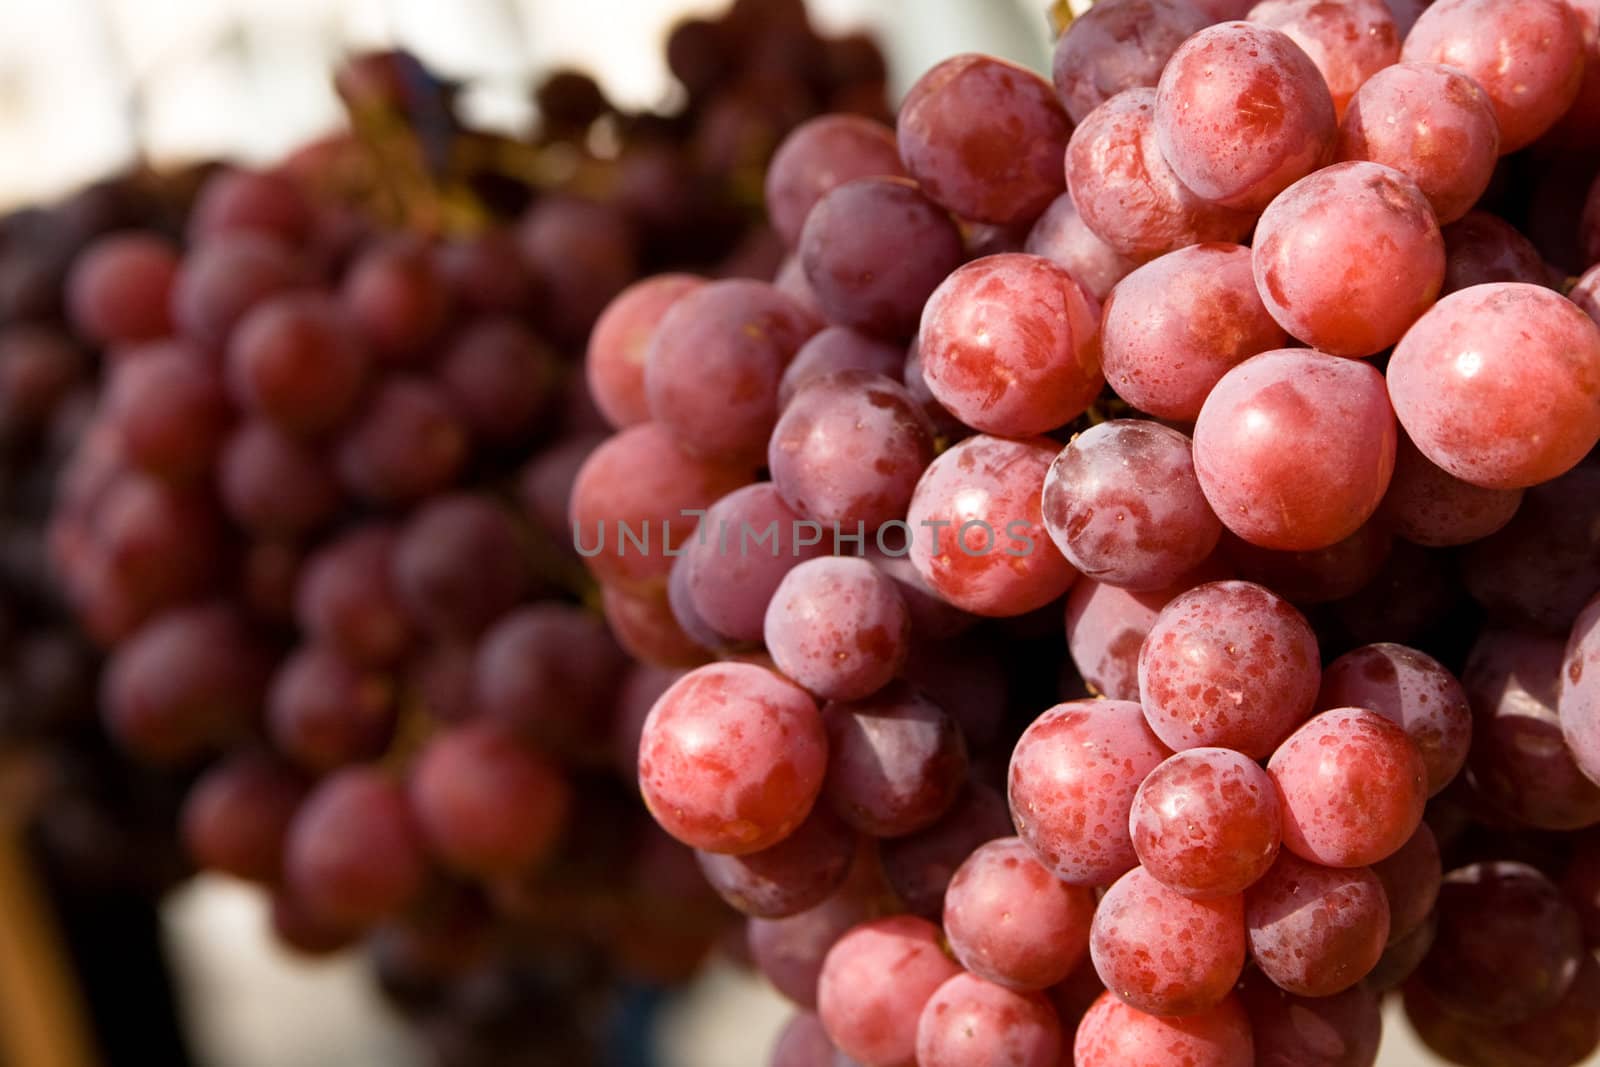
(120, 288)
(1106, 627)
(839, 627)
(820, 155)
(614, 365)
(874, 984)
(1349, 42)
(1314, 930)
(1205, 823)
(1117, 45)
(969, 1020)
(1012, 922)
(1412, 690)
(296, 361)
(1072, 781)
(1114, 1034)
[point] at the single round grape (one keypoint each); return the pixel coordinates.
(1122, 503)
(1431, 123)
(818, 156)
(969, 1020)
(1228, 664)
(1127, 193)
(835, 349)
(219, 283)
(1061, 236)
(1508, 945)
(458, 564)
(237, 815)
(641, 483)
(1010, 921)
(1294, 448)
(1114, 1034)
(1348, 42)
(120, 288)
(1352, 787)
(614, 365)
(1242, 113)
(1520, 761)
(487, 802)
(839, 627)
(1175, 326)
(1008, 345)
(171, 412)
(1411, 879)
(1117, 45)
(324, 712)
(1528, 57)
(501, 377)
(977, 532)
(1136, 927)
(712, 371)
(355, 854)
(397, 299)
(246, 200)
(1480, 248)
(1205, 823)
(1412, 690)
(1338, 1031)
(407, 443)
(792, 876)
(296, 361)
(874, 984)
(848, 450)
(732, 758)
(346, 598)
(1429, 506)
(550, 670)
(1072, 779)
(896, 761)
(1314, 930)
(920, 866)
(1349, 257)
(272, 484)
(873, 249)
(984, 138)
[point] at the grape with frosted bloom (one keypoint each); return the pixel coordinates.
(236, 816)
(1352, 787)
(488, 802)
(1319, 575)
(984, 138)
(1122, 503)
(1294, 448)
(1508, 945)
(1242, 113)
(838, 626)
(873, 249)
(1432, 123)
(355, 854)
(874, 984)
(1061, 236)
(1009, 345)
(1349, 42)
(977, 534)
(1106, 627)
(1014, 923)
(1315, 930)
(1229, 664)
(732, 758)
(920, 865)
(711, 373)
(614, 365)
(1480, 248)
(1175, 326)
(1205, 823)
(1125, 190)
(835, 349)
(747, 542)
(1412, 690)
(642, 481)
(1117, 45)
(896, 761)
(1137, 926)
(1520, 760)
(1113, 1034)
(1428, 505)
(324, 712)
(969, 1020)
(1348, 258)
(1411, 879)
(848, 450)
(819, 156)
(1338, 1031)
(1072, 781)
(1526, 54)
(796, 874)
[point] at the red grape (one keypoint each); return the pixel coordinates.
(1411, 879)
(969, 1020)
(1117, 45)
(1136, 929)
(835, 349)
(1314, 930)
(1338, 1031)
(1412, 690)
(237, 814)
(355, 854)
(324, 712)
(819, 156)
(621, 339)
(794, 875)
(1062, 237)
(874, 984)
(1113, 1034)
(294, 360)
(839, 627)
(896, 761)
(1349, 42)
(347, 599)
(119, 291)
(1014, 923)
(1205, 823)
(1430, 506)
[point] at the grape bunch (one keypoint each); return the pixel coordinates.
(1125, 593)
(313, 515)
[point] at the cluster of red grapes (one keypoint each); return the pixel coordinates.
(315, 514)
(1304, 591)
